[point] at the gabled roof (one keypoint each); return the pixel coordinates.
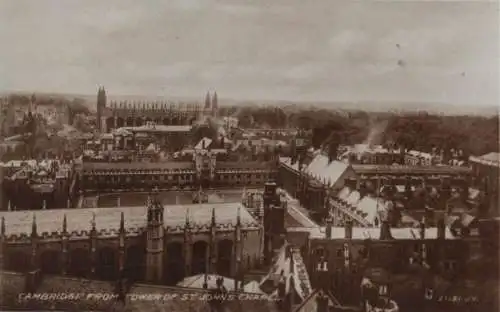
(290, 266)
(204, 143)
(310, 304)
(324, 170)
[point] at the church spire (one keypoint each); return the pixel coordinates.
(207, 101)
(215, 104)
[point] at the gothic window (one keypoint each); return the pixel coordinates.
(78, 262)
(224, 257)
(106, 268)
(50, 262)
(175, 263)
(383, 290)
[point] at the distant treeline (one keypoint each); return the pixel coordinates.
(476, 135)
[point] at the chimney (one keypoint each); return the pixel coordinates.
(385, 231)
(441, 229)
(348, 229)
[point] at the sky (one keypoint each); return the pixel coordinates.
(315, 50)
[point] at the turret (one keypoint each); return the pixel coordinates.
(155, 241)
(93, 244)
(101, 105)
(64, 244)
(187, 244)
(212, 255)
(238, 250)
(121, 244)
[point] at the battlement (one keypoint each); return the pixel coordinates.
(50, 224)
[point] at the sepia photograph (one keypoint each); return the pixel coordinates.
(250, 155)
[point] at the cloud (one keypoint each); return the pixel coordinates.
(254, 49)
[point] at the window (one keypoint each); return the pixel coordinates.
(382, 290)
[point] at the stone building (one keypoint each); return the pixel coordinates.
(153, 243)
(45, 184)
(115, 115)
(202, 171)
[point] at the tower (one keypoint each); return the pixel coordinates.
(215, 105)
(101, 104)
(154, 244)
(207, 102)
(274, 220)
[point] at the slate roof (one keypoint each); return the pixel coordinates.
(323, 170)
(369, 208)
(78, 220)
(290, 265)
(204, 143)
(490, 159)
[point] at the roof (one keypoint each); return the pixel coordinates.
(290, 265)
(204, 143)
(387, 169)
(89, 166)
(490, 159)
(240, 165)
(159, 128)
(122, 131)
(369, 207)
(310, 303)
(324, 170)
(362, 233)
(79, 220)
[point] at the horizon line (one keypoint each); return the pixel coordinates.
(273, 100)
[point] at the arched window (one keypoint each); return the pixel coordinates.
(134, 263)
(78, 262)
(18, 261)
(199, 257)
(49, 262)
(224, 257)
(106, 264)
(175, 265)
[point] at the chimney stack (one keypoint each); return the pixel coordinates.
(441, 229)
(348, 229)
(385, 231)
